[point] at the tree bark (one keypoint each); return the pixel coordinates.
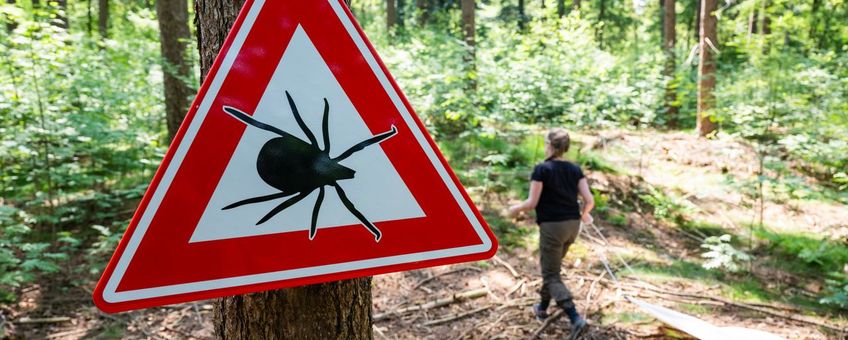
(391, 15)
(401, 12)
(61, 11)
(521, 14)
(173, 36)
(561, 8)
(333, 310)
(707, 68)
(576, 4)
(469, 30)
(669, 41)
(423, 7)
(103, 18)
(697, 31)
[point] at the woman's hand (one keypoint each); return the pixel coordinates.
(587, 218)
(513, 211)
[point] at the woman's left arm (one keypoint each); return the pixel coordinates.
(531, 201)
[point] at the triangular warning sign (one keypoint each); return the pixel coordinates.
(300, 162)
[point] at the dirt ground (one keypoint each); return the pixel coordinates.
(499, 292)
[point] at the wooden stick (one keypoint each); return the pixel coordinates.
(507, 265)
(456, 316)
(468, 295)
(431, 278)
(545, 324)
(58, 319)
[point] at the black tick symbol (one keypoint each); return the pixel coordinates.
(297, 168)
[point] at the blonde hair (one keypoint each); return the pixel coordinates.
(559, 140)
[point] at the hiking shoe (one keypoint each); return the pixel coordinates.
(578, 327)
(540, 313)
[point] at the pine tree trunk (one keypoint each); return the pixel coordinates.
(333, 310)
(707, 68)
(469, 30)
(521, 14)
(173, 36)
(391, 15)
(103, 18)
(669, 41)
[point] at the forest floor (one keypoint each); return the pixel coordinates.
(660, 196)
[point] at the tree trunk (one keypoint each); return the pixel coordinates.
(333, 310)
(401, 12)
(391, 15)
(600, 30)
(173, 36)
(576, 4)
(103, 18)
(423, 9)
(669, 41)
(697, 31)
(61, 11)
(521, 14)
(469, 30)
(707, 68)
(561, 8)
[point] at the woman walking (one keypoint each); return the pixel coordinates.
(554, 187)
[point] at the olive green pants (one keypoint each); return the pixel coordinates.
(554, 240)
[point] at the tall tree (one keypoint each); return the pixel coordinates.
(522, 15)
(401, 12)
(707, 68)
(333, 310)
(173, 37)
(469, 32)
(103, 18)
(669, 40)
(391, 15)
(560, 8)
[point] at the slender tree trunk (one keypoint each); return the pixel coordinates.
(60, 8)
(334, 310)
(423, 8)
(103, 18)
(89, 17)
(469, 29)
(561, 8)
(391, 15)
(576, 4)
(669, 41)
(601, 14)
(521, 14)
(401, 12)
(707, 68)
(697, 31)
(173, 36)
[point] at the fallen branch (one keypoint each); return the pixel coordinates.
(431, 278)
(468, 295)
(507, 265)
(556, 315)
(26, 320)
(456, 316)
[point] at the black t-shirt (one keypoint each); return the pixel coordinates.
(558, 201)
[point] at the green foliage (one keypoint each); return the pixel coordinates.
(665, 206)
(721, 254)
(836, 292)
(20, 258)
(814, 252)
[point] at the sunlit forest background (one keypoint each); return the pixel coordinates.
(83, 127)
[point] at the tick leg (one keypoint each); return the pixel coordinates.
(300, 121)
(349, 205)
(366, 143)
(247, 119)
(314, 228)
(326, 126)
(286, 204)
(257, 200)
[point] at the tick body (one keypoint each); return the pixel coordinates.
(297, 168)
